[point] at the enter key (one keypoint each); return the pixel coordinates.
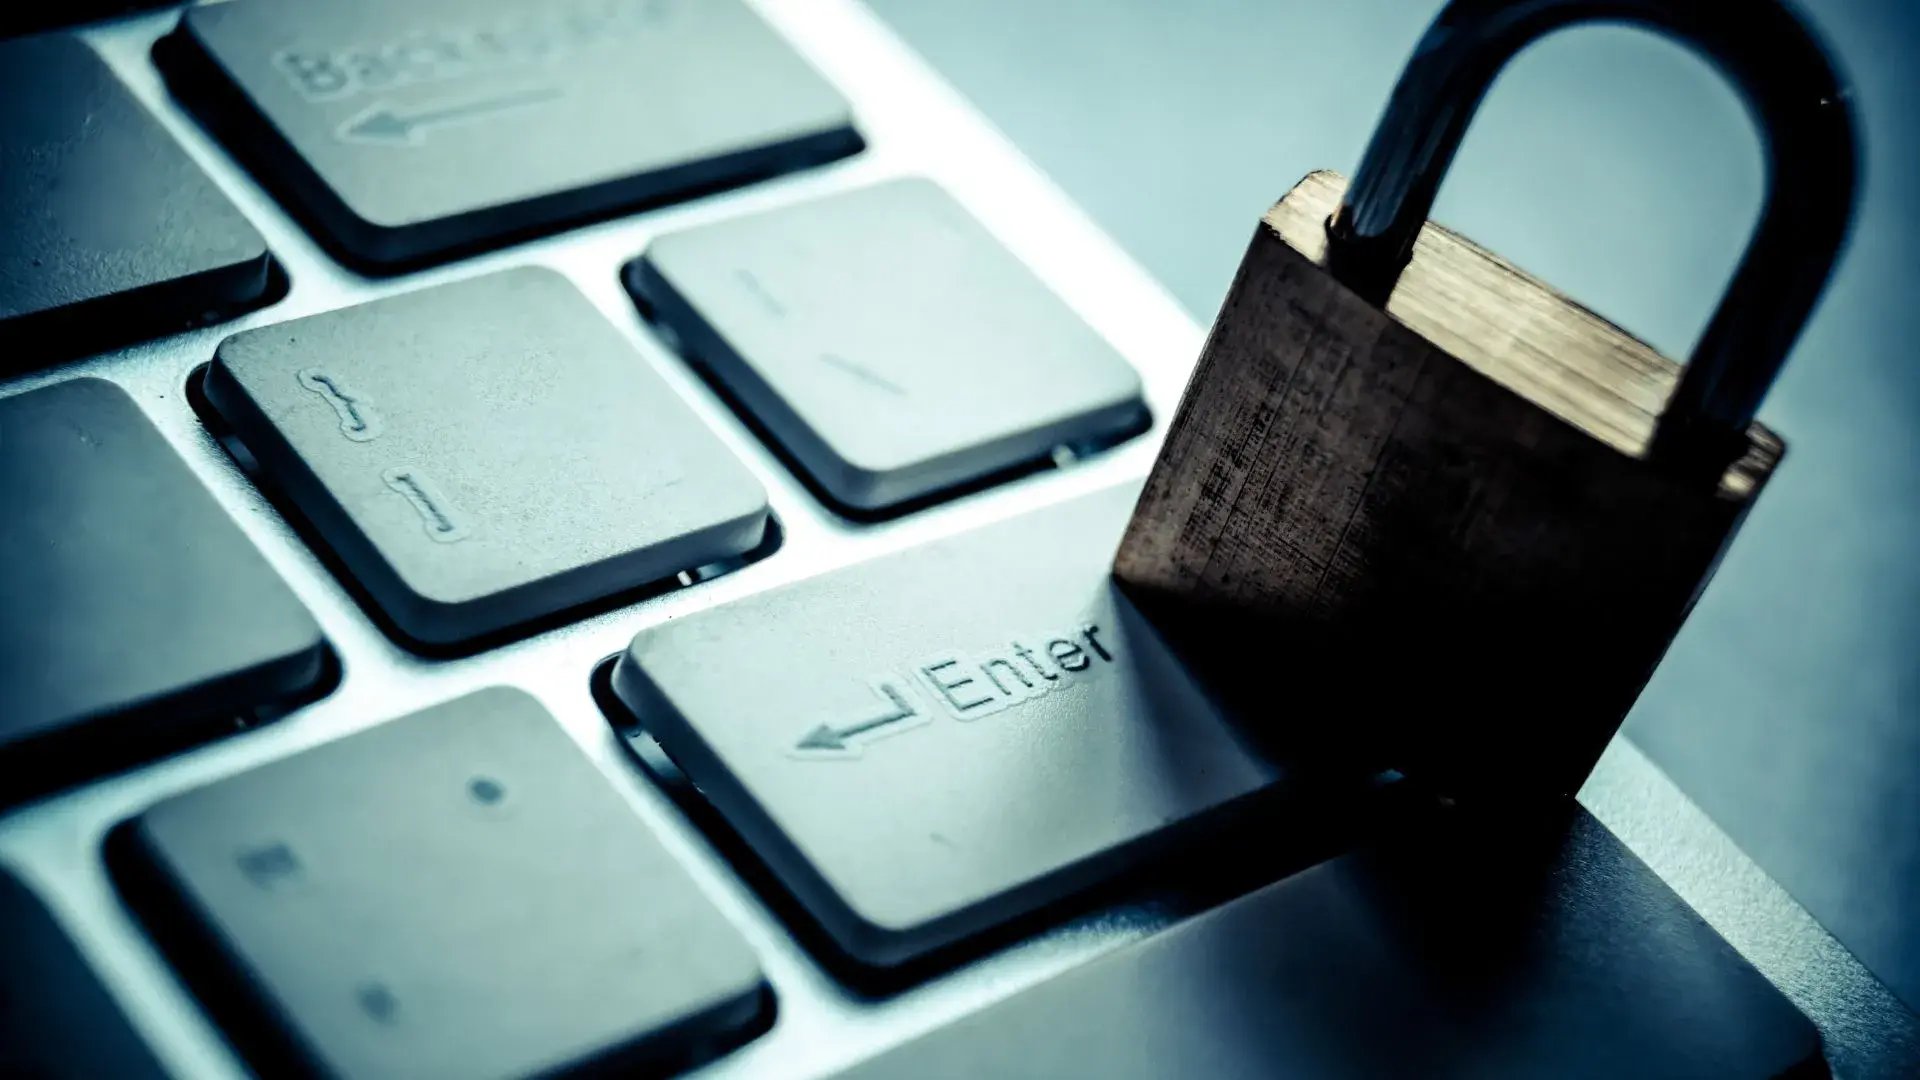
(928, 746)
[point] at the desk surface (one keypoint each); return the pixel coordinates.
(1620, 169)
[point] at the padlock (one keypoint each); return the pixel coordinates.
(1417, 511)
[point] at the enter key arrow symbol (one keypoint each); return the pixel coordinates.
(387, 125)
(830, 741)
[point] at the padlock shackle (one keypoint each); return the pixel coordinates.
(1806, 123)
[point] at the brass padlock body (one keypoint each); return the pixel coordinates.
(1426, 537)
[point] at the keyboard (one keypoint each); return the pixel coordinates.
(554, 538)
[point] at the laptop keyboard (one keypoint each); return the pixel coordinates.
(644, 529)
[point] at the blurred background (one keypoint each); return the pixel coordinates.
(1619, 168)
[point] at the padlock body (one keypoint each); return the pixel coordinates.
(1426, 537)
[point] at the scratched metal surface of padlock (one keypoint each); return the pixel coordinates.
(1419, 511)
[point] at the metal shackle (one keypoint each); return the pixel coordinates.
(1805, 122)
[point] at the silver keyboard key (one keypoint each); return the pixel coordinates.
(108, 230)
(484, 453)
(136, 618)
(407, 131)
(57, 1022)
(887, 341)
(927, 746)
(457, 893)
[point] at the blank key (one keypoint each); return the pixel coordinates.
(56, 1019)
(108, 231)
(135, 617)
(887, 341)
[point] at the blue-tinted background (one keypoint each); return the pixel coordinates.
(1617, 167)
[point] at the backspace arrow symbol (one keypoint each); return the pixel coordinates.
(829, 740)
(387, 125)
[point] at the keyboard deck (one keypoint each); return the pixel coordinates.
(803, 471)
